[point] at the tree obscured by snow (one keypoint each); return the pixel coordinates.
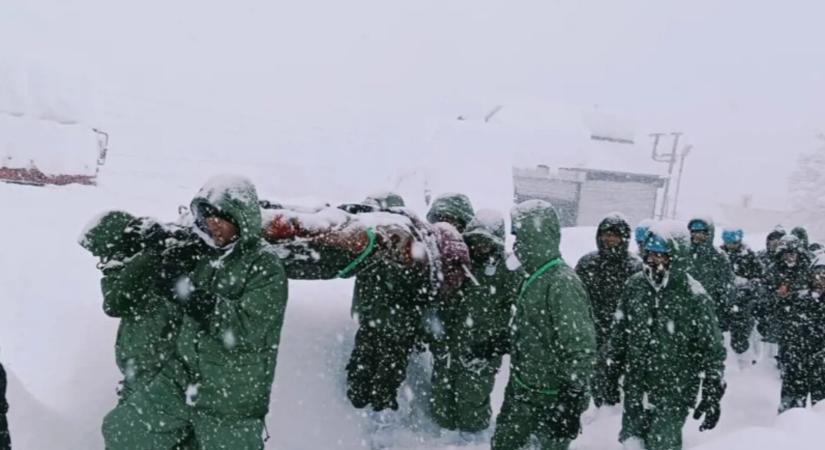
(807, 189)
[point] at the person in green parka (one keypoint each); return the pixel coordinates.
(475, 322)
(666, 342)
(137, 285)
(553, 340)
(5, 437)
(604, 273)
(388, 309)
(218, 386)
(712, 269)
(802, 339)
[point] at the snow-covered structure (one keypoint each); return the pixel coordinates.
(585, 161)
(584, 196)
(46, 126)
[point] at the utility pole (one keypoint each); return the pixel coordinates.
(670, 159)
(685, 152)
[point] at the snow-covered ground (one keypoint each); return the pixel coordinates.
(58, 345)
(331, 101)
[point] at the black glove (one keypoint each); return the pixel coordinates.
(492, 347)
(195, 302)
(712, 391)
(565, 416)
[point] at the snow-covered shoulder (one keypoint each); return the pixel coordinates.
(695, 286)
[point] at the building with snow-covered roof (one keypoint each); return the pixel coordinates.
(583, 197)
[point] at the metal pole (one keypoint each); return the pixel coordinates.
(685, 153)
(671, 162)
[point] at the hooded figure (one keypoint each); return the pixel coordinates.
(454, 209)
(604, 273)
(137, 290)
(748, 287)
(762, 311)
(768, 256)
(788, 275)
(711, 268)
(665, 341)
(5, 439)
(475, 321)
(802, 234)
(802, 339)
(218, 388)
(553, 341)
(388, 306)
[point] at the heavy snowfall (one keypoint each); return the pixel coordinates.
(327, 103)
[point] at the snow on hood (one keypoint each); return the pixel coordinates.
(232, 187)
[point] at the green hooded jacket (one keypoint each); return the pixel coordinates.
(604, 273)
(131, 282)
(230, 354)
(664, 342)
(477, 317)
(712, 268)
(553, 343)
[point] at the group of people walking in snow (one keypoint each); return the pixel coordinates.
(201, 304)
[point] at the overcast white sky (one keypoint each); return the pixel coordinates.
(745, 80)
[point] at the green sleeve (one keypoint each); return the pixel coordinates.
(252, 323)
(572, 324)
(125, 289)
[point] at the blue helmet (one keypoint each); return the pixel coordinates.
(640, 233)
(733, 236)
(655, 244)
(698, 225)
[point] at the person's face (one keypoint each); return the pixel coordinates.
(222, 231)
(734, 247)
(482, 249)
(790, 259)
(610, 240)
(698, 237)
(659, 262)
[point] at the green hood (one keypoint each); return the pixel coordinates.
(538, 233)
(385, 201)
(678, 242)
(801, 234)
(486, 227)
(453, 208)
(708, 244)
(107, 236)
(236, 199)
(614, 222)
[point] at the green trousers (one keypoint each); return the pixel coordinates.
(158, 418)
(523, 423)
(461, 388)
(658, 428)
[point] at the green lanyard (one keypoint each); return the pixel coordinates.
(367, 251)
(549, 265)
